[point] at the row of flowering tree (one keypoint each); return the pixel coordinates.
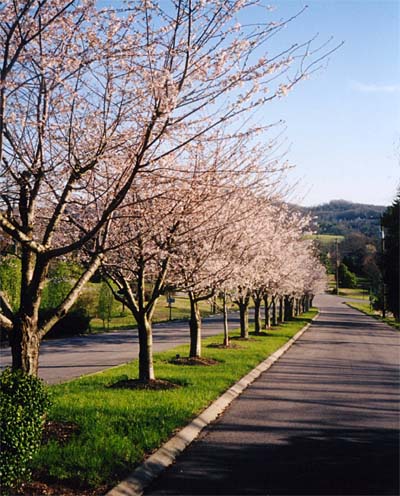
(211, 222)
(103, 117)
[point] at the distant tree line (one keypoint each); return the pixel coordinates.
(367, 261)
(340, 217)
(390, 257)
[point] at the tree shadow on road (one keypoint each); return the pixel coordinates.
(304, 462)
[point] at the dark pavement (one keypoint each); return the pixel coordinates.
(323, 420)
(64, 359)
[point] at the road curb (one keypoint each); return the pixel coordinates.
(152, 467)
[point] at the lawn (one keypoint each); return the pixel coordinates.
(356, 293)
(366, 308)
(125, 320)
(118, 427)
(326, 239)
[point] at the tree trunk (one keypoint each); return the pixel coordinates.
(257, 314)
(195, 328)
(267, 314)
(281, 316)
(214, 305)
(287, 308)
(293, 307)
(244, 319)
(226, 329)
(293, 303)
(274, 312)
(146, 367)
(25, 345)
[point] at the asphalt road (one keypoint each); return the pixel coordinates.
(64, 359)
(323, 420)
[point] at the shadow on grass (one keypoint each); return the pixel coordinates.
(194, 361)
(259, 334)
(150, 385)
(220, 346)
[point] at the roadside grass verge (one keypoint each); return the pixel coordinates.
(356, 293)
(118, 427)
(365, 308)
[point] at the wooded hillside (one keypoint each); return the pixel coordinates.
(342, 217)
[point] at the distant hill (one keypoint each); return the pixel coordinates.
(342, 217)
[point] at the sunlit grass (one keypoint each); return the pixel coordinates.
(366, 308)
(356, 293)
(125, 320)
(326, 239)
(118, 427)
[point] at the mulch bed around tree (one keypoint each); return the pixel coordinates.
(231, 346)
(194, 361)
(58, 431)
(238, 338)
(42, 484)
(153, 384)
(36, 488)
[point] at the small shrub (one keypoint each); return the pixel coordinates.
(74, 323)
(10, 279)
(105, 304)
(86, 303)
(58, 286)
(347, 279)
(23, 404)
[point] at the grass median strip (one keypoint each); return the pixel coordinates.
(116, 427)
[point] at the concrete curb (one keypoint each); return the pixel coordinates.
(151, 468)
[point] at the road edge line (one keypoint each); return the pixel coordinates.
(155, 464)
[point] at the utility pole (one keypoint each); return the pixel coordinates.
(383, 270)
(170, 301)
(337, 266)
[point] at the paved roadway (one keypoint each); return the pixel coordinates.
(64, 359)
(323, 420)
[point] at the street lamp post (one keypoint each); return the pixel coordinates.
(337, 266)
(383, 270)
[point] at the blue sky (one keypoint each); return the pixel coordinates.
(343, 125)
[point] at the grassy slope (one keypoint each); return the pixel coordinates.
(118, 427)
(356, 293)
(326, 239)
(365, 308)
(180, 310)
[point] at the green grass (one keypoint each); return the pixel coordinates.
(180, 310)
(356, 293)
(365, 308)
(326, 239)
(119, 427)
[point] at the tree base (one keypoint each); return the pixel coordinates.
(261, 333)
(194, 361)
(43, 488)
(59, 431)
(152, 384)
(231, 346)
